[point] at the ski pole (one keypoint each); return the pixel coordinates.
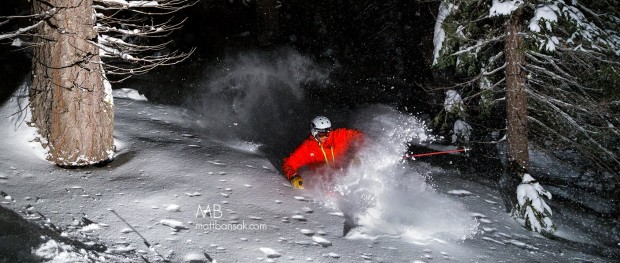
(413, 156)
(135, 231)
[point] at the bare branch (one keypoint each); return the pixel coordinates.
(138, 65)
(479, 45)
(128, 36)
(495, 70)
(142, 30)
(20, 31)
(573, 124)
(140, 7)
(553, 75)
(548, 61)
(129, 47)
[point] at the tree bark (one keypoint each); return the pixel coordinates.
(516, 112)
(267, 18)
(71, 107)
(516, 104)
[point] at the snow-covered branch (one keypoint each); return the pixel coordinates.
(557, 102)
(551, 74)
(489, 73)
(548, 60)
(573, 25)
(128, 34)
(479, 45)
(140, 30)
(130, 47)
(20, 31)
(548, 129)
(573, 124)
(161, 7)
(532, 211)
(137, 65)
(571, 54)
(584, 148)
(39, 19)
(593, 55)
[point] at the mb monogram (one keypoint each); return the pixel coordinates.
(213, 211)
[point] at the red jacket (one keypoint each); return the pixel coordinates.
(334, 152)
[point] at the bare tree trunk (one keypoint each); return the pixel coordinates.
(516, 111)
(70, 105)
(516, 104)
(267, 16)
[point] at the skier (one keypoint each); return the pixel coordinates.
(324, 148)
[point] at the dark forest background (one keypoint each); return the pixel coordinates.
(381, 50)
(376, 52)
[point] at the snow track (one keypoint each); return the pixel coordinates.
(193, 198)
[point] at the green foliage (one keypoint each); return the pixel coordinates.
(440, 122)
(572, 71)
(444, 121)
(464, 29)
(445, 58)
(546, 227)
(486, 103)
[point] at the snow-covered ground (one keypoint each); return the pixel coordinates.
(193, 197)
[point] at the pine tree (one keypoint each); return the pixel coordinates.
(547, 63)
(77, 45)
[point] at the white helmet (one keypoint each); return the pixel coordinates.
(320, 124)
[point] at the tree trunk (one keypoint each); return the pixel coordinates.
(267, 18)
(516, 105)
(516, 110)
(71, 106)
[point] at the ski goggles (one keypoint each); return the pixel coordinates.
(322, 132)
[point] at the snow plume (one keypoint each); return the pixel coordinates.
(387, 196)
(254, 97)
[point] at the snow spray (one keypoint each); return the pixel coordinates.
(255, 96)
(387, 196)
